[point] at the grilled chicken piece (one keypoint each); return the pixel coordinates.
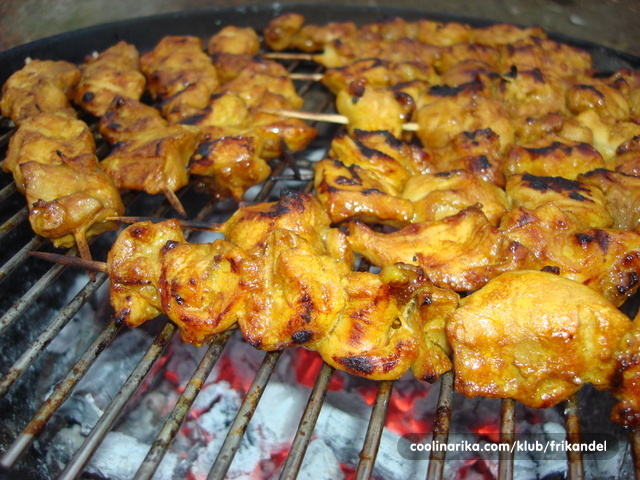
(71, 201)
(362, 105)
(467, 111)
(606, 260)
(229, 165)
(375, 72)
(296, 294)
(181, 75)
(40, 86)
(477, 152)
(608, 132)
(626, 382)
(551, 126)
(439, 195)
(505, 347)
(114, 73)
(46, 138)
(564, 159)
(232, 49)
(452, 55)
(584, 203)
(134, 266)
(373, 156)
(299, 213)
(203, 287)
(597, 95)
(125, 118)
(548, 56)
(349, 193)
(530, 93)
(627, 158)
(460, 252)
(154, 161)
(375, 336)
(621, 194)
(288, 31)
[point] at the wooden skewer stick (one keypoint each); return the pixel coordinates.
(326, 117)
(312, 77)
(174, 201)
(186, 224)
(83, 249)
(78, 262)
(289, 56)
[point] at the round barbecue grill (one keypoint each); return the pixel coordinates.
(61, 352)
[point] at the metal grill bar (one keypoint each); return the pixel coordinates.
(47, 336)
(572, 424)
(93, 440)
(7, 191)
(181, 409)
(13, 222)
(507, 436)
(441, 425)
(374, 431)
(243, 417)
(14, 262)
(60, 393)
(307, 424)
(634, 440)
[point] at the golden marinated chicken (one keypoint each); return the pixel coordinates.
(627, 158)
(477, 152)
(452, 55)
(71, 201)
(625, 386)
(460, 252)
(46, 138)
(583, 201)
(229, 165)
(375, 72)
(439, 195)
(250, 226)
(351, 192)
(606, 260)
(563, 159)
(467, 111)
(548, 56)
(530, 93)
(506, 345)
(40, 86)
(296, 294)
(154, 161)
(114, 73)
(232, 49)
(181, 75)
(552, 127)
(288, 31)
(134, 267)
(597, 95)
(203, 287)
(608, 132)
(126, 117)
(621, 194)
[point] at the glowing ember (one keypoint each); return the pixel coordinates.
(307, 365)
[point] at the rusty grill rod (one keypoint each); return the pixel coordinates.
(61, 392)
(441, 424)
(508, 437)
(374, 431)
(243, 417)
(182, 407)
(572, 425)
(7, 191)
(19, 217)
(17, 259)
(113, 411)
(49, 333)
(307, 424)
(634, 441)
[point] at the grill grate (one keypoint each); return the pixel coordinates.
(21, 309)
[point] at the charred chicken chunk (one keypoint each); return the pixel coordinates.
(125, 118)
(134, 266)
(46, 138)
(548, 56)
(578, 199)
(203, 287)
(439, 195)
(181, 75)
(626, 382)
(114, 73)
(460, 252)
(505, 346)
(606, 260)
(40, 86)
(564, 159)
(232, 49)
(296, 294)
(71, 201)
(349, 193)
